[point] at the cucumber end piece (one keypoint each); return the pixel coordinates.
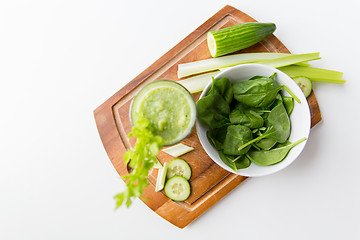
(211, 44)
(305, 84)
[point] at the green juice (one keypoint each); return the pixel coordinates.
(168, 106)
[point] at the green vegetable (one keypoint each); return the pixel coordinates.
(178, 150)
(288, 104)
(207, 65)
(289, 60)
(248, 118)
(314, 74)
(272, 156)
(235, 162)
(236, 136)
(178, 167)
(212, 64)
(197, 83)
(223, 87)
(258, 92)
(237, 37)
(266, 143)
(160, 180)
(228, 160)
(217, 137)
(305, 84)
(177, 188)
(256, 84)
(214, 109)
(279, 123)
(242, 162)
(249, 143)
(258, 120)
(141, 159)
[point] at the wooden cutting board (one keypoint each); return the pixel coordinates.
(209, 182)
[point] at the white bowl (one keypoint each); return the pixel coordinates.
(300, 118)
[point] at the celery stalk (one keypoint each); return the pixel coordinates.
(289, 60)
(305, 64)
(198, 82)
(191, 68)
(315, 74)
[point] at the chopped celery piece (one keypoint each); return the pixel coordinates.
(292, 59)
(178, 150)
(198, 83)
(315, 74)
(160, 180)
(157, 164)
(191, 68)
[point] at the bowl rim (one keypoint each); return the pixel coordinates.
(242, 172)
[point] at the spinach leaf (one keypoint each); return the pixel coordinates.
(239, 106)
(288, 104)
(266, 143)
(223, 87)
(236, 136)
(235, 162)
(249, 143)
(257, 84)
(228, 160)
(242, 162)
(278, 122)
(275, 155)
(248, 118)
(278, 100)
(213, 110)
(217, 137)
(261, 99)
(257, 92)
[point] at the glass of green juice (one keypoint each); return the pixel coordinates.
(168, 106)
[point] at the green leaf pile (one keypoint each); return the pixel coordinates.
(249, 120)
(141, 158)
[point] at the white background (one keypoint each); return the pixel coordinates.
(59, 60)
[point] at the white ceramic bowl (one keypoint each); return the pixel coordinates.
(300, 118)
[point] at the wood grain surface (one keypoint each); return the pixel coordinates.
(209, 182)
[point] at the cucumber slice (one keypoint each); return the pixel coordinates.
(178, 167)
(177, 188)
(161, 178)
(305, 84)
